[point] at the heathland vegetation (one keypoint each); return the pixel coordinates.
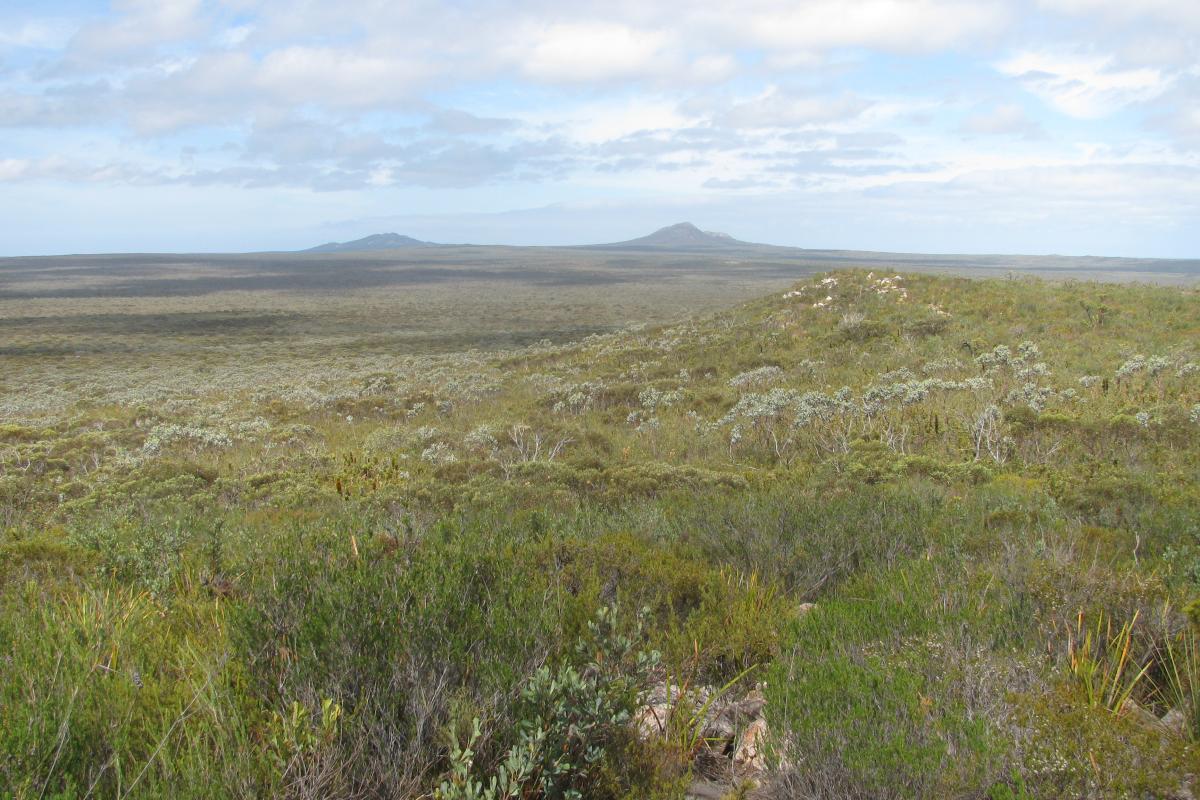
(903, 536)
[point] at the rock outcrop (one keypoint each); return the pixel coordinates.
(727, 735)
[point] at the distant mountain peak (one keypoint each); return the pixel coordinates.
(687, 229)
(681, 236)
(376, 241)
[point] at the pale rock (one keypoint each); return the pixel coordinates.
(1174, 721)
(707, 790)
(651, 720)
(750, 755)
(735, 715)
(1135, 712)
(719, 790)
(1184, 792)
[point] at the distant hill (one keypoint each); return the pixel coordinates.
(377, 241)
(681, 236)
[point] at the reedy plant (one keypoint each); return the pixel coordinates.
(1101, 664)
(690, 709)
(1179, 688)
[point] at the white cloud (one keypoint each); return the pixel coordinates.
(894, 25)
(12, 168)
(39, 34)
(1174, 12)
(590, 51)
(234, 36)
(1087, 87)
(338, 76)
(776, 108)
(612, 99)
(139, 25)
(713, 68)
(1006, 119)
(603, 120)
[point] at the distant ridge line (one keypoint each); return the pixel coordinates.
(376, 241)
(680, 236)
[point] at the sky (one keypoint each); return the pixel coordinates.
(988, 126)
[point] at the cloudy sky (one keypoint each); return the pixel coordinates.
(1043, 126)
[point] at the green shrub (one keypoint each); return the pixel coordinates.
(399, 638)
(880, 695)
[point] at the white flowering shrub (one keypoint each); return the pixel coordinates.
(426, 433)
(673, 338)
(304, 396)
(378, 386)
(852, 321)
(776, 416)
(1000, 356)
(577, 398)
(772, 415)
(886, 286)
(295, 433)
(481, 439)
(943, 365)
(653, 399)
(439, 453)
(897, 376)
(253, 428)
(1139, 364)
(1156, 365)
(756, 378)
(1024, 363)
(472, 387)
(162, 437)
(648, 425)
(1032, 395)
(1033, 371)
(877, 399)
(383, 441)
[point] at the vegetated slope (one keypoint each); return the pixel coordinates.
(376, 241)
(394, 576)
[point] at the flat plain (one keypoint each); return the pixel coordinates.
(66, 317)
